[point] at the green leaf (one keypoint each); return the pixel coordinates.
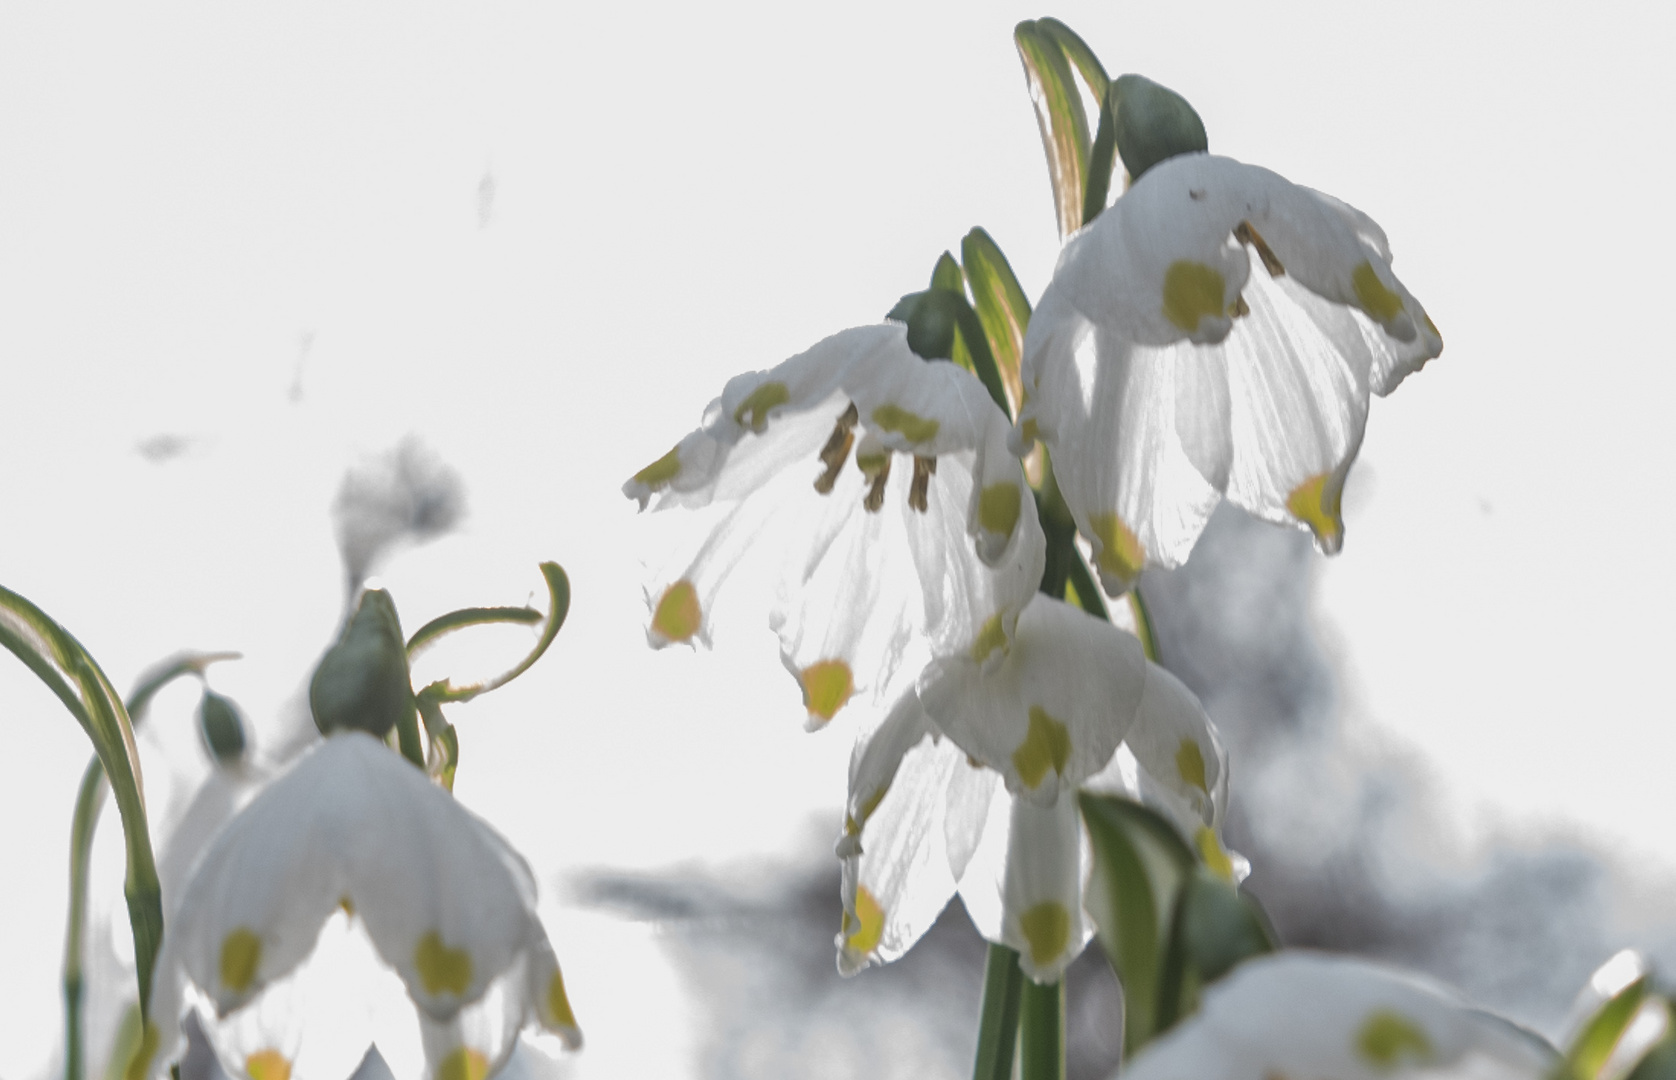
(558, 606)
(947, 275)
(1002, 309)
(1140, 866)
(1059, 115)
(998, 1026)
(1215, 927)
(60, 661)
(1153, 123)
(1076, 50)
(1593, 1045)
(1101, 160)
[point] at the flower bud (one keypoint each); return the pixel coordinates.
(1153, 123)
(362, 681)
(222, 728)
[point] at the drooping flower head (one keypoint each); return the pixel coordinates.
(1300, 1014)
(971, 783)
(1216, 332)
(877, 490)
(445, 901)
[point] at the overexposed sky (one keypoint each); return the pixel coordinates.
(542, 236)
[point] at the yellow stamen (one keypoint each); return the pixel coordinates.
(924, 469)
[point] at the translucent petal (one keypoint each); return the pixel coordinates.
(1306, 1014)
(900, 881)
(263, 889)
(1047, 865)
(1176, 743)
(874, 763)
(874, 492)
(1054, 709)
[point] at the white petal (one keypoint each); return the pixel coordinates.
(1046, 867)
(258, 897)
(874, 763)
(1306, 1014)
(1055, 708)
(1175, 742)
(898, 884)
(447, 902)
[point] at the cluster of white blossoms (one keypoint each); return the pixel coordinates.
(1216, 331)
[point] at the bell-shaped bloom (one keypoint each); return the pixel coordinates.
(928, 542)
(1303, 1014)
(971, 784)
(354, 829)
(1215, 332)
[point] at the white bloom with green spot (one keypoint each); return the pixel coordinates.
(1216, 332)
(353, 828)
(871, 494)
(1302, 1014)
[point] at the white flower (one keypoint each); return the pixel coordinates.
(354, 828)
(1215, 332)
(1303, 1014)
(972, 783)
(930, 537)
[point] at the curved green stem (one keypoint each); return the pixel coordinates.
(65, 666)
(998, 1026)
(90, 799)
(558, 592)
(1041, 1023)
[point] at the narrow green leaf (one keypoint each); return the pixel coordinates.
(1079, 54)
(998, 1026)
(1153, 123)
(558, 595)
(1140, 866)
(1060, 116)
(1593, 1045)
(1102, 159)
(979, 359)
(443, 625)
(1041, 1032)
(947, 275)
(1002, 309)
(60, 661)
(1143, 624)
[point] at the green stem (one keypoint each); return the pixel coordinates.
(1041, 1050)
(998, 1027)
(1143, 624)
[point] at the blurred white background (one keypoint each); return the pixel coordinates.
(243, 248)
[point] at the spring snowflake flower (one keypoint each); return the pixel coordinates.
(1215, 332)
(1309, 1014)
(354, 830)
(971, 784)
(931, 536)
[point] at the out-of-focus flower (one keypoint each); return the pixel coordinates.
(972, 782)
(1309, 1014)
(1215, 332)
(931, 537)
(353, 828)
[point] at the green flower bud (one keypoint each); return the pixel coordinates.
(1153, 123)
(362, 681)
(222, 728)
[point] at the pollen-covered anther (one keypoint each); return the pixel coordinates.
(837, 450)
(1249, 236)
(1239, 308)
(875, 499)
(924, 469)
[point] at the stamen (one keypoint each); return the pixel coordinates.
(924, 469)
(1239, 307)
(875, 499)
(1245, 234)
(837, 450)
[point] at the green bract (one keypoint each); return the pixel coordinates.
(362, 681)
